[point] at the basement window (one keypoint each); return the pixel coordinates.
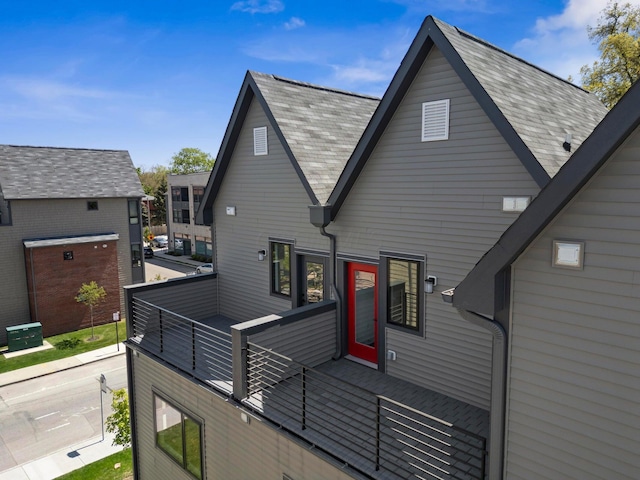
(260, 141)
(435, 120)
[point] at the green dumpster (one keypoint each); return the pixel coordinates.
(28, 335)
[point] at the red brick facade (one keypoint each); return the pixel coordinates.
(53, 284)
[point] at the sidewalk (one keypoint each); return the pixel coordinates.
(162, 254)
(75, 456)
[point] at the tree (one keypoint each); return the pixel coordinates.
(91, 294)
(191, 160)
(618, 34)
(119, 422)
(154, 183)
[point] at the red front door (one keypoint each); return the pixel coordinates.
(362, 300)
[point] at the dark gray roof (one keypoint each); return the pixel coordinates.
(477, 292)
(532, 109)
(48, 172)
(320, 125)
(540, 107)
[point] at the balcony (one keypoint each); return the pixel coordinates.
(280, 367)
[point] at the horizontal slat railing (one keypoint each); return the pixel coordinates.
(374, 434)
(191, 346)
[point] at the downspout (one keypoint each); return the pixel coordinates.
(334, 289)
(498, 390)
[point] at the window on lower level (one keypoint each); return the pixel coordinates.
(179, 435)
(280, 268)
(134, 212)
(403, 293)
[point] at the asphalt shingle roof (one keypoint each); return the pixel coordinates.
(48, 172)
(540, 107)
(321, 125)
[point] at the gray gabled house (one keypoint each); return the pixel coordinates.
(321, 347)
(67, 216)
(561, 287)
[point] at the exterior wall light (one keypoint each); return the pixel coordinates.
(429, 283)
(261, 255)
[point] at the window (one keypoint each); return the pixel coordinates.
(177, 215)
(136, 256)
(403, 293)
(260, 141)
(281, 269)
(435, 120)
(92, 205)
(134, 212)
(180, 194)
(185, 215)
(175, 194)
(198, 195)
(179, 435)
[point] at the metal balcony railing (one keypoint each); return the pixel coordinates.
(201, 350)
(374, 434)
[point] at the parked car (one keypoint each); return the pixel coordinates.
(205, 268)
(161, 241)
(148, 252)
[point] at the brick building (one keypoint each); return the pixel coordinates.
(67, 217)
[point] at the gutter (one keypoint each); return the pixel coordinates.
(498, 390)
(334, 290)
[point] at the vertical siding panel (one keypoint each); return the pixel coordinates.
(443, 200)
(574, 378)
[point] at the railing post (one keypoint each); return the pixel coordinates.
(193, 346)
(239, 363)
(161, 332)
(304, 398)
(377, 433)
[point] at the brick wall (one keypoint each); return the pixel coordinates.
(53, 283)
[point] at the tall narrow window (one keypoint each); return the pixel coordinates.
(403, 293)
(179, 435)
(260, 141)
(281, 269)
(435, 120)
(134, 212)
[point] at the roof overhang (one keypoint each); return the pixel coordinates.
(61, 241)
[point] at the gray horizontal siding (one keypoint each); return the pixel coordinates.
(270, 201)
(234, 450)
(195, 300)
(574, 377)
(443, 200)
(310, 341)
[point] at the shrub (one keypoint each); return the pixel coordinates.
(68, 343)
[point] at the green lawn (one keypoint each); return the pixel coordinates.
(79, 342)
(105, 469)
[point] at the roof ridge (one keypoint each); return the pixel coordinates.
(323, 88)
(66, 148)
(487, 44)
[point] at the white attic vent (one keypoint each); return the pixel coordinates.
(260, 141)
(435, 120)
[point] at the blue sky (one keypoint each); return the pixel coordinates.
(152, 77)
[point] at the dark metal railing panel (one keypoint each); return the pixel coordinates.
(194, 347)
(372, 433)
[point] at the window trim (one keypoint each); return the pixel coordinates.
(385, 292)
(184, 414)
(272, 289)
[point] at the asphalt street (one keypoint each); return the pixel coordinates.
(43, 415)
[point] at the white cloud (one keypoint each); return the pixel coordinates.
(48, 90)
(258, 6)
(293, 23)
(560, 43)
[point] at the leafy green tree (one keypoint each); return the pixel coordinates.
(91, 294)
(618, 37)
(159, 214)
(191, 160)
(154, 183)
(119, 422)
